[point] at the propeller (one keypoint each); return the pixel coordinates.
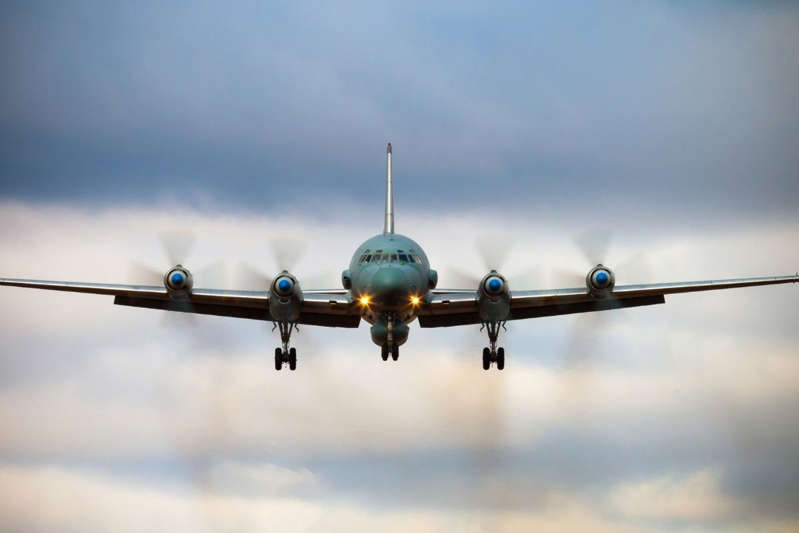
(177, 247)
(286, 253)
(594, 247)
(493, 251)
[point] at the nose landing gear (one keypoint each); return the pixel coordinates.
(285, 354)
(391, 344)
(493, 354)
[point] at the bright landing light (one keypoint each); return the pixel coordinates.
(364, 300)
(415, 300)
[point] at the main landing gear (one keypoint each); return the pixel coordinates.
(285, 354)
(493, 354)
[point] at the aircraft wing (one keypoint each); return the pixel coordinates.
(320, 307)
(454, 307)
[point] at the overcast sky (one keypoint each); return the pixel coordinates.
(673, 125)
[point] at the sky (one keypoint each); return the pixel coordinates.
(670, 126)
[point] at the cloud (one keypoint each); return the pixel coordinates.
(70, 499)
(657, 106)
(691, 498)
(693, 397)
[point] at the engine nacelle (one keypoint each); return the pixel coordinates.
(494, 298)
(600, 281)
(285, 298)
(178, 282)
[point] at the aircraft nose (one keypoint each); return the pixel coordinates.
(390, 288)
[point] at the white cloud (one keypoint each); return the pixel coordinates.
(260, 479)
(49, 498)
(693, 497)
(117, 386)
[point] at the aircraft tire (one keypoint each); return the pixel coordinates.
(292, 359)
(278, 359)
(395, 352)
(384, 352)
(500, 358)
(486, 358)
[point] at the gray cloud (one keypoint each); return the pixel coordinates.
(664, 107)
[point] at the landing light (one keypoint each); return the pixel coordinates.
(415, 300)
(364, 300)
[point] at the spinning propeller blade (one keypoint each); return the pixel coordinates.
(177, 245)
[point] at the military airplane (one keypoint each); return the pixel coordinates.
(389, 284)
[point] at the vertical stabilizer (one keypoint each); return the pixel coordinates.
(388, 226)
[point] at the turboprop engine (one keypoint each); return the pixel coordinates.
(600, 281)
(178, 282)
(285, 298)
(494, 298)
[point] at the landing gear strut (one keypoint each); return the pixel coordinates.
(390, 347)
(492, 354)
(285, 354)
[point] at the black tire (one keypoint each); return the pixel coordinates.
(278, 359)
(292, 359)
(395, 352)
(384, 352)
(501, 359)
(486, 358)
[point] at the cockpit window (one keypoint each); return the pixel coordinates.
(393, 258)
(418, 259)
(403, 258)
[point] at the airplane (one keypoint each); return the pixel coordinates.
(389, 284)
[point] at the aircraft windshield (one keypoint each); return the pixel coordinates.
(379, 257)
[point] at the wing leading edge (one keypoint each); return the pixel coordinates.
(331, 308)
(460, 307)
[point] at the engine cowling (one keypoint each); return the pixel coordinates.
(285, 298)
(600, 281)
(178, 282)
(494, 297)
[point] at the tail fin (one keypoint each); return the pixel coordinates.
(388, 226)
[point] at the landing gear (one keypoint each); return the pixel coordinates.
(286, 354)
(493, 354)
(393, 351)
(390, 347)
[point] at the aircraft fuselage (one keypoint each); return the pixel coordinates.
(390, 276)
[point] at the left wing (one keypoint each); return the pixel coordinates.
(453, 307)
(320, 307)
